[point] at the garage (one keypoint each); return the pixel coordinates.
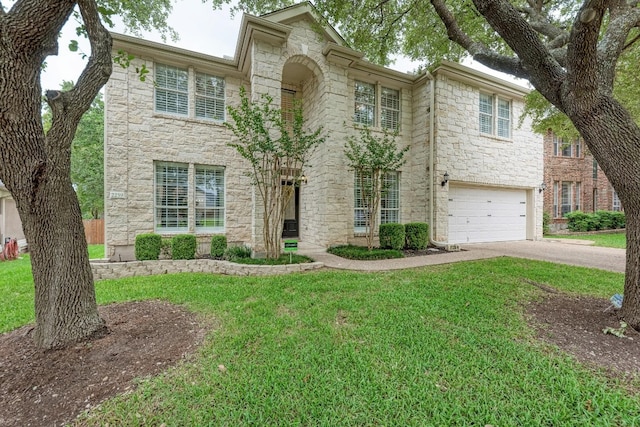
(484, 214)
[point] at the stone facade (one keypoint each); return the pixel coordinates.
(287, 50)
(571, 164)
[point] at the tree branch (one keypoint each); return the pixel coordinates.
(614, 41)
(545, 72)
(478, 51)
(32, 24)
(68, 107)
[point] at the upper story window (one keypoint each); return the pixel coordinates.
(172, 90)
(365, 109)
(176, 93)
(494, 115)
(564, 148)
(209, 97)
(368, 97)
(390, 106)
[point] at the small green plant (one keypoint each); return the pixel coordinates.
(218, 246)
(183, 246)
(147, 246)
(417, 235)
(234, 253)
(546, 220)
(618, 332)
(363, 253)
(392, 236)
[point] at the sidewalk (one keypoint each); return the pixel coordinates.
(570, 252)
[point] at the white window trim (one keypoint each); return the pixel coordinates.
(157, 89)
(190, 227)
(362, 230)
(378, 108)
(494, 116)
(204, 96)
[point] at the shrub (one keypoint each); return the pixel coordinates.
(363, 253)
(165, 248)
(235, 253)
(618, 220)
(392, 236)
(605, 219)
(417, 235)
(546, 220)
(147, 246)
(218, 246)
(183, 246)
(581, 221)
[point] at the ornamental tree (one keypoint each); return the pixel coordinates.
(371, 157)
(277, 146)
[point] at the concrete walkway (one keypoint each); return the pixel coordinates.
(563, 251)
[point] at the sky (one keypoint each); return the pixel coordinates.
(200, 28)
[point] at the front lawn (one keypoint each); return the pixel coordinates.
(609, 240)
(444, 345)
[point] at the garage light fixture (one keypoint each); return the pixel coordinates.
(542, 187)
(446, 179)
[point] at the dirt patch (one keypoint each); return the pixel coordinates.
(51, 388)
(575, 324)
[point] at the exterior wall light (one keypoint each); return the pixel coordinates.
(542, 187)
(446, 179)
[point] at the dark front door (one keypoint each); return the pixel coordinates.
(291, 215)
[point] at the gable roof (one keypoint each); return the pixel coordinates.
(305, 10)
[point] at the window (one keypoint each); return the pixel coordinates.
(577, 196)
(566, 198)
(556, 145)
(491, 123)
(172, 86)
(173, 183)
(578, 148)
(504, 118)
(617, 206)
(366, 100)
(172, 197)
(209, 198)
(390, 106)
(209, 97)
(566, 149)
(389, 201)
(595, 169)
(556, 213)
(486, 113)
(287, 106)
(365, 108)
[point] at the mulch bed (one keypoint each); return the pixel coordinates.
(575, 324)
(51, 388)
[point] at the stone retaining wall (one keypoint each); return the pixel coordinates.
(117, 270)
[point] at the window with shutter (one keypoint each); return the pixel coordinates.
(390, 108)
(210, 97)
(171, 90)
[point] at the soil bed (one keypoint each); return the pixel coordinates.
(51, 388)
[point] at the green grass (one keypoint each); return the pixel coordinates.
(96, 251)
(444, 345)
(609, 240)
(363, 253)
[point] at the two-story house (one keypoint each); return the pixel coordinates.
(573, 181)
(471, 172)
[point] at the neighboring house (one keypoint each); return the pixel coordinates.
(573, 181)
(10, 224)
(169, 170)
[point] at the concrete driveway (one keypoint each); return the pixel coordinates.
(562, 251)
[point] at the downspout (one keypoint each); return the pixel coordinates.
(444, 245)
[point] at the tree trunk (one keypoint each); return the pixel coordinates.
(614, 140)
(35, 167)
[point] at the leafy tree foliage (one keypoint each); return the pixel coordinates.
(277, 150)
(371, 157)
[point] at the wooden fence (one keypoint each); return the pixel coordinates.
(94, 231)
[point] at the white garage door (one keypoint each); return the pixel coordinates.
(487, 214)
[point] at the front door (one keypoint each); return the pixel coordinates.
(291, 215)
